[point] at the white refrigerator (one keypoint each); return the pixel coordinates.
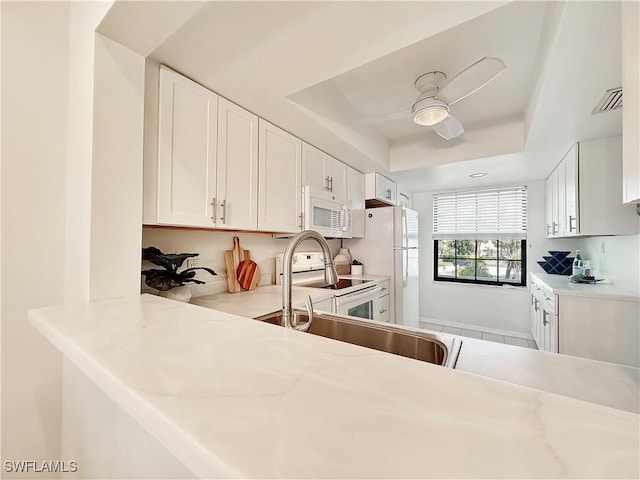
(390, 247)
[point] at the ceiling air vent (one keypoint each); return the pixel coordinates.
(611, 100)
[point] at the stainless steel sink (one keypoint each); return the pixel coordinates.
(427, 347)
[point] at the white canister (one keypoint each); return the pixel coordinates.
(356, 269)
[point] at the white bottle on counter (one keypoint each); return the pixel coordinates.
(576, 268)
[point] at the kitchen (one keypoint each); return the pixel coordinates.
(100, 262)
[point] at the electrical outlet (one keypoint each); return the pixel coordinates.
(192, 262)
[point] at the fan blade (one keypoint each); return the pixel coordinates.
(471, 79)
(449, 128)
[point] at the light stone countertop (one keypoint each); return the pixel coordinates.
(561, 285)
(232, 397)
(609, 384)
(261, 301)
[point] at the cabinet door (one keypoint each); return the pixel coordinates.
(355, 193)
(630, 26)
(386, 189)
(570, 211)
(380, 188)
(237, 185)
(279, 180)
(556, 230)
(186, 151)
(314, 170)
(548, 206)
(383, 309)
(337, 172)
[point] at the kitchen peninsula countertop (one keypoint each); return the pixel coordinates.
(232, 397)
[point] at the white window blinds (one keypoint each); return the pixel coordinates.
(492, 214)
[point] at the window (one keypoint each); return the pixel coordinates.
(480, 236)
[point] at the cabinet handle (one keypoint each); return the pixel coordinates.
(388, 191)
(545, 322)
(555, 228)
(382, 311)
(327, 180)
(331, 184)
(301, 217)
(223, 204)
(213, 210)
(572, 227)
(548, 229)
(535, 306)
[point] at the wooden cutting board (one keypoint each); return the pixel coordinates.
(248, 273)
(232, 259)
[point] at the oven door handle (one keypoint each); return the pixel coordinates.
(349, 298)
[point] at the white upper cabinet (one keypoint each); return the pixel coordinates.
(323, 172)
(279, 180)
(187, 140)
(583, 192)
(355, 193)
(379, 190)
(631, 91)
(237, 179)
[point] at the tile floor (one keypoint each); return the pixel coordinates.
(492, 337)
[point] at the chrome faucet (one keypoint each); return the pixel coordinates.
(330, 276)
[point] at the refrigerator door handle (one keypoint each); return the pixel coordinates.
(405, 267)
(405, 229)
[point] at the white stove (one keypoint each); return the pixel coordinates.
(355, 297)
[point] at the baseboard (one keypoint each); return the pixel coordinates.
(481, 328)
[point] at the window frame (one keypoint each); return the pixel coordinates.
(475, 281)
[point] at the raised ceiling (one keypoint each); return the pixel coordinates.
(322, 70)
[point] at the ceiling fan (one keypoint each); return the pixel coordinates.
(432, 106)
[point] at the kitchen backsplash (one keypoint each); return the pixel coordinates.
(615, 259)
(211, 246)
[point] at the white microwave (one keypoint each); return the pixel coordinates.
(326, 215)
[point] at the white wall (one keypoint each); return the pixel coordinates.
(616, 259)
(49, 216)
(116, 188)
(491, 308)
(35, 75)
(211, 246)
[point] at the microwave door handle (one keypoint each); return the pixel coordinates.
(354, 298)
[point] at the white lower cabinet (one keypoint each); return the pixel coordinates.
(383, 312)
(279, 180)
(384, 302)
(599, 327)
(543, 317)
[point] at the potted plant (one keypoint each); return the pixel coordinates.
(168, 277)
(356, 267)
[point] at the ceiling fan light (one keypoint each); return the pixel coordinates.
(430, 116)
(429, 111)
